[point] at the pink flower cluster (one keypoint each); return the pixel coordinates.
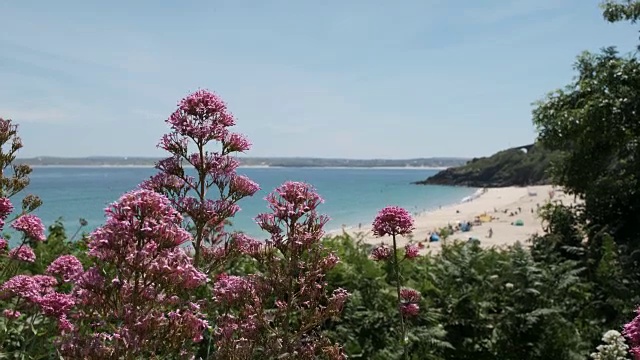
(36, 292)
(142, 293)
(230, 290)
(6, 207)
(242, 186)
(293, 199)
(141, 284)
(67, 267)
(152, 218)
(290, 285)
(631, 331)
(236, 143)
(393, 220)
(410, 298)
(202, 115)
(30, 288)
(22, 253)
(381, 253)
(292, 202)
(31, 226)
(411, 251)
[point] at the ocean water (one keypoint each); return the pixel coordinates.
(352, 196)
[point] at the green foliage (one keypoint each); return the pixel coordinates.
(563, 233)
(593, 124)
(32, 333)
(614, 11)
(368, 327)
(477, 304)
(593, 121)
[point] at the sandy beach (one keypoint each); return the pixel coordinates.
(498, 209)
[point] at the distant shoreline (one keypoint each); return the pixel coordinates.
(125, 166)
(434, 163)
(251, 167)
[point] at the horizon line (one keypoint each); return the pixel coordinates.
(245, 157)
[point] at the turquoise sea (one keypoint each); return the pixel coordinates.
(351, 196)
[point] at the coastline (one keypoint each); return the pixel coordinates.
(251, 167)
(498, 209)
(133, 166)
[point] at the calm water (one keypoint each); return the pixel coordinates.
(351, 196)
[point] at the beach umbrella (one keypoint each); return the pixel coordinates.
(519, 223)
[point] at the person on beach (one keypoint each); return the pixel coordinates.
(490, 233)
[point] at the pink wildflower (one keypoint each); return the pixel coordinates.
(66, 266)
(23, 253)
(55, 304)
(64, 325)
(202, 115)
(174, 143)
(142, 284)
(293, 199)
(236, 143)
(380, 253)
(411, 251)
(393, 220)
(410, 309)
(5, 207)
(242, 186)
(339, 297)
(31, 288)
(245, 244)
(293, 263)
(11, 314)
(4, 244)
(631, 331)
(162, 181)
(410, 295)
(90, 279)
(123, 217)
(330, 261)
(230, 289)
(31, 226)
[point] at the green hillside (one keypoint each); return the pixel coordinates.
(521, 166)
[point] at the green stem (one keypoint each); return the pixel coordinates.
(396, 267)
(201, 192)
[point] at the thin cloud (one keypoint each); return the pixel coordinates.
(507, 10)
(47, 115)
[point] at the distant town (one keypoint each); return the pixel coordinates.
(435, 162)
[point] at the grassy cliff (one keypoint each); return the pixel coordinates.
(521, 166)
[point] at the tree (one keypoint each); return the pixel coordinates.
(616, 10)
(594, 121)
(625, 10)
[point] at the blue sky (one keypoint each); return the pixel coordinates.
(356, 78)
